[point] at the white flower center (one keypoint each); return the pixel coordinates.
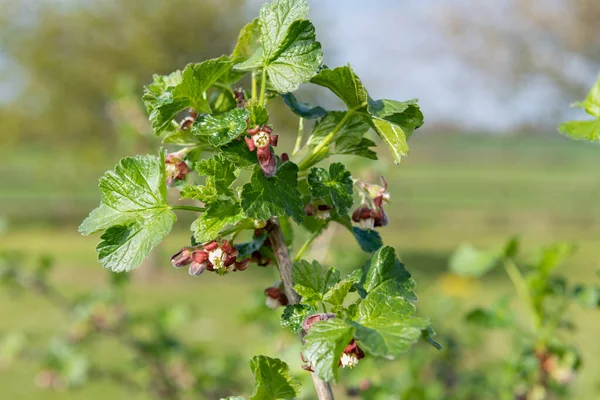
(216, 257)
(368, 223)
(323, 214)
(349, 360)
(261, 139)
(272, 303)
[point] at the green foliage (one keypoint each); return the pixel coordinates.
(335, 186)
(383, 322)
(273, 379)
(134, 213)
(290, 55)
(278, 196)
(174, 95)
(303, 110)
(222, 129)
(590, 129)
(216, 217)
(393, 121)
(294, 314)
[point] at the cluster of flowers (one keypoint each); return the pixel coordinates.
(210, 256)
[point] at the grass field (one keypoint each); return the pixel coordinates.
(452, 189)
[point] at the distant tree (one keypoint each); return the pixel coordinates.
(518, 41)
(69, 56)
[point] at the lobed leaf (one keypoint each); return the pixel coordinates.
(273, 379)
(216, 217)
(222, 129)
(276, 196)
(335, 184)
(290, 55)
(133, 212)
(393, 121)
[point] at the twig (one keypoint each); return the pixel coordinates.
(285, 270)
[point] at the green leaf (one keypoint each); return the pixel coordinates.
(587, 296)
(216, 217)
(345, 84)
(324, 345)
(369, 240)
(182, 90)
(224, 128)
(497, 316)
(386, 325)
(351, 133)
(303, 110)
(335, 184)
(294, 314)
(134, 212)
(311, 282)
(277, 196)
(238, 154)
(582, 130)
(197, 79)
(246, 249)
(258, 114)
(338, 292)
(591, 104)
(361, 148)
(393, 121)
(273, 379)
(248, 42)
(469, 261)
(220, 175)
(586, 130)
(385, 269)
(289, 54)
(159, 90)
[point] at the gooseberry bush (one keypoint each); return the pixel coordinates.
(216, 113)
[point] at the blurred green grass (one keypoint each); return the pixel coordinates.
(452, 188)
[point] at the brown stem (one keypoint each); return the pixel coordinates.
(285, 271)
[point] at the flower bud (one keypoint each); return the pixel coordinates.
(200, 256)
(323, 211)
(275, 297)
(242, 265)
(196, 268)
(182, 258)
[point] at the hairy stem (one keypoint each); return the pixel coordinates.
(282, 255)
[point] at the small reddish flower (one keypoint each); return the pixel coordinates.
(175, 168)
(322, 211)
(259, 259)
(260, 140)
(351, 355)
(242, 265)
(371, 214)
(276, 297)
(183, 257)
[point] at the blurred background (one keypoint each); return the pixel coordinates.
(493, 79)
